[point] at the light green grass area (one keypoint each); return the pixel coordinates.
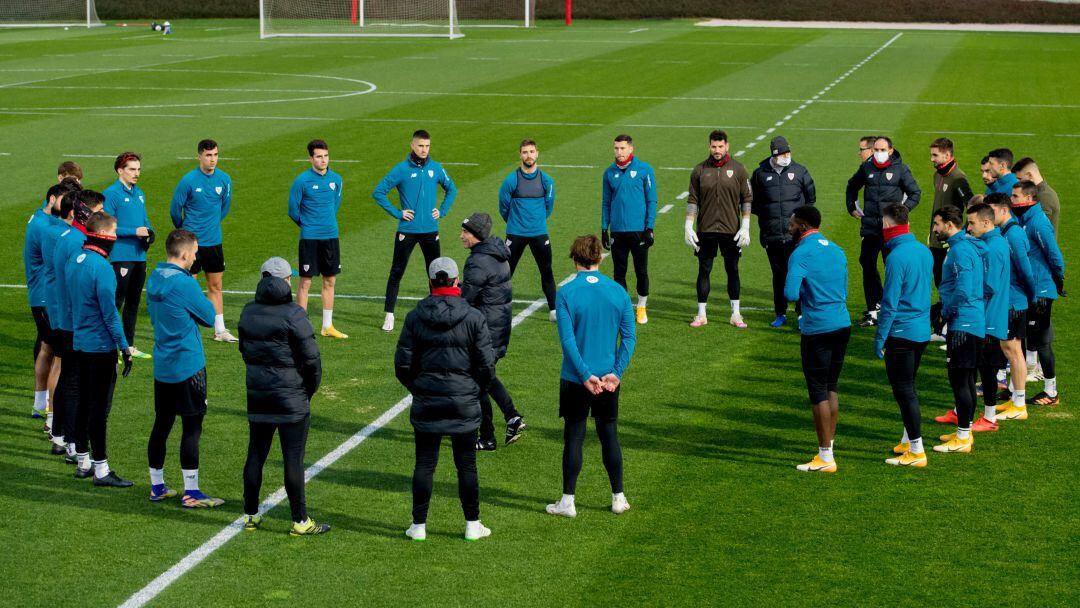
(713, 420)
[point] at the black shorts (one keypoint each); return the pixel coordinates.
(992, 355)
(709, 243)
(575, 402)
(822, 361)
(320, 256)
(963, 350)
(41, 321)
(209, 258)
(187, 398)
(1040, 332)
(60, 341)
(1017, 324)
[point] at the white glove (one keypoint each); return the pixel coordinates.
(742, 237)
(690, 236)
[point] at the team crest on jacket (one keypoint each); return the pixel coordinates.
(871, 176)
(123, 272)
(633, 174)
(306, 266)
(592, 279)
(431, 173)
(768, 178)
(333, 186)
(888, 176)
(944, 187)
(217, 189)
(731, 173)
(790, 177)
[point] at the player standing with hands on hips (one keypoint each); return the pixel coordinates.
(417, 180)
(628, 210)
(720, 200)
(314, 201)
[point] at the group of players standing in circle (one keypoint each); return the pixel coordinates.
(997, 275)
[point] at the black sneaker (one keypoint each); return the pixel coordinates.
(486, 445)
(869, 319)
(1004, 395)
(81, 473)
(71, 459)
(57, 450)
(514, 428)
(112, 480)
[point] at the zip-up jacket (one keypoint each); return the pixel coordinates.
(719, 194)
(905, 303)
(1047, 263)
(128, 206)
(881, 187)
(777, 193)
(628, 197)
(418, 188)
(177, 307)
(817, 277)
(200, 203)
(962, 286)
(1021, 278)
(92, 285)
(526, 201)
(996, 278)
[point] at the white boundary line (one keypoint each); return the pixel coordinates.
(666, 208)
(818, 96)
(896, 25)
(182, 567)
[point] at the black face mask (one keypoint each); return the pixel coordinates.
(1020, 211)
(104, 243)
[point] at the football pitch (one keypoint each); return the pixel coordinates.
(713, 420)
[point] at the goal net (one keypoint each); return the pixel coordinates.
(48, 13)
(395, 18)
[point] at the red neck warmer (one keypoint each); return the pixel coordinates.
(721, 162)
(446, 291)
(946, 168)
(80, 227)
(629, 160)
(887, 162)
(808, 233)
(895, 231)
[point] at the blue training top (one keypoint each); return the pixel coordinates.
(1046, 259)
(33, 257)
(996, 275)
(69, 241)
(417, 186)
(961, 289)
(526, 200)
(1003, 184)
(1021, 279)
(905, 303)
(49, 238)
(596, 327)
(628, 197)
(818, 278)
(200, 203)
(96, 324)
(177, 307)
(128, 206)
(314, 201)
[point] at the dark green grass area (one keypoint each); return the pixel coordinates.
(712, 420)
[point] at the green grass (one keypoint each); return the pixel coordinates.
(714, 420)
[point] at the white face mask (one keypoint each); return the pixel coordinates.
(881, 157)
(783, 161)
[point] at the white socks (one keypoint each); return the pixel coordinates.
(1050, 386)
(58, 441)
(49, 417)
(641, 300)
(916, 446)
(567, 500)
(735, 308)
(388, 322)
(219, 324)
(963, 433)
(191, 479)
(701, 309)
(157, 477)
(905, 438)
(825, 454)
(84, 460)
(101, 468)
(41, 400)
(990, 413)
(327, 319)
(1032, 358)
(1019, 398)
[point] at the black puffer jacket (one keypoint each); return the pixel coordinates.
(278, 345)
(443, 358)
(485, 284)
(881, 188)
(777, 196)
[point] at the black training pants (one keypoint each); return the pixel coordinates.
(872, 246)
(541, 250)
(293, 439)
(427, 457)
(97, 379)
(573, 442)
(130, 278)
(902, 358)
(189, 440)
(66, 398)
(779, 253)
(623, 245)
(404, 243)
(502, 398)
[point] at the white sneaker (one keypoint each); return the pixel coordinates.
(417, 532)
(551, 316)
(224, 336)
(474, 530)
(562, 509)
(388, 323)
(1035, 373)
(937, 338)
(619, 504)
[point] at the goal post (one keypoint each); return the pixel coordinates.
(389, 18)
(49, 13)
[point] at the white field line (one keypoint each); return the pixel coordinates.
(873, 25)
(182, 567)
(682, 196)
(805, 104)
(94, 71)
(640, 29)
(666, 208)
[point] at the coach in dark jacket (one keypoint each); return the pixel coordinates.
(884, 179)
(283, 373)
(486, 286)
(444, 359)
(780, 186)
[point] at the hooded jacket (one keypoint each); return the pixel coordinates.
(486, 287)
(1047, 263)
(444, 358)
(284, 368)
(881, 187)
(905, 304)
(177, 307)
(962, 286)
(776, 195)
